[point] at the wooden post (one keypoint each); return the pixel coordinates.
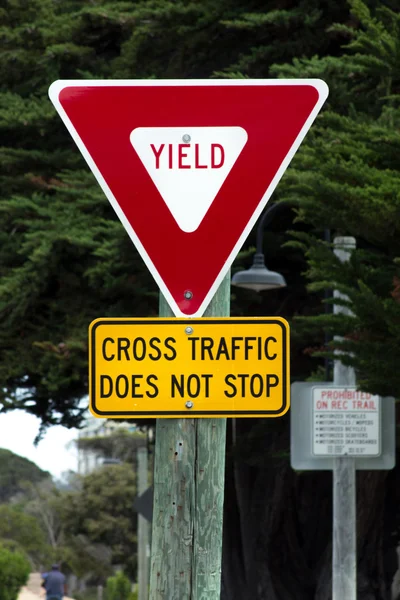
(188, 497)
(344, 551)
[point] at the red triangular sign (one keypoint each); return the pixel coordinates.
(188, 165)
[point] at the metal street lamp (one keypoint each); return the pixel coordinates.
(259, 277)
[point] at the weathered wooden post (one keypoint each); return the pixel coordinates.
(188, 497)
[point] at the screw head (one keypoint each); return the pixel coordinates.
(189, 330)
(188, 295)
(186, 138)
(189, 404)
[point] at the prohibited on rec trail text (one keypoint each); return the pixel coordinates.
(206, 367)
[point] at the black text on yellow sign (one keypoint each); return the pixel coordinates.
(209, 367)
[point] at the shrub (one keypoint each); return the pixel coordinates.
(14, 572)
(89, 593)
(118, 587)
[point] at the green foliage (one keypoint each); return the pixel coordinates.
(99, 521)
(14, 571)
(45, 503)
(75, 550)
(118, 587)
(88, 527)
(278, 33)
(15, 471)
(64, 259)
(89, 593)
(21, 531)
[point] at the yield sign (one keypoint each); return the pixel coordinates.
(188, 165)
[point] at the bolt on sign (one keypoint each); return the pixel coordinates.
(211, 367)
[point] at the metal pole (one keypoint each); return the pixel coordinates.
(143, 527)
(344, 551)
(188, 497)
(266, 217)
(327, 294)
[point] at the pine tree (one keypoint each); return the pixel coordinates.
(346, 178)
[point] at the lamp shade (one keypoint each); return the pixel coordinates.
(258, 277)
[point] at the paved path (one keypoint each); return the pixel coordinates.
(33, 590)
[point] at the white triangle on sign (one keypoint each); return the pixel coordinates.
(188, 165)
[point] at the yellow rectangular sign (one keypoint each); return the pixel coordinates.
(206, 367)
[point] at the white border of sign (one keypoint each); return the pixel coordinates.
(59, 85)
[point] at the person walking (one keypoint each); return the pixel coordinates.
(54, 584)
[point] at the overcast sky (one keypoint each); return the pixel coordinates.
(18, 429)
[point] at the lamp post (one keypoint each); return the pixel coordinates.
(259, 277)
